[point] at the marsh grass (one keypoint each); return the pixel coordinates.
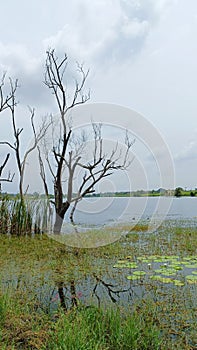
(25, 216)
(92, 328)
(87, 328)
(33, 270)
(89, 238)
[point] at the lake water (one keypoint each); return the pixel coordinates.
(106, 211)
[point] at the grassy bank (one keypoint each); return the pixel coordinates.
(84, 328)
(57, 297)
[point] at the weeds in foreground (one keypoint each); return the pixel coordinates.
(84, 328)
(91, 328)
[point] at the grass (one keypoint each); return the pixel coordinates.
(54, 296)
(87, 328)
(92, 328)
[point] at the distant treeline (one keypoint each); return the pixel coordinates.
(177, 192)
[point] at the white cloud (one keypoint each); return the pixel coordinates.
(14, 58)
(107, 30)
(135, 28)
(19, 64)
(99, 33)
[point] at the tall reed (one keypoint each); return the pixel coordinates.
(4, 215)
(24, 216)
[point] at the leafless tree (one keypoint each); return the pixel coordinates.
(66, 158)
(5, 99)
(54, 80)
(10, 103)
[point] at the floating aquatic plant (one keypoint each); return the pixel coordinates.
(129, 265)
(191, 278)
(164, 268)
(139, 273)
(178, 283)
(133, 278)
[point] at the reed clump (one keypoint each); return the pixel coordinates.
(23, 216)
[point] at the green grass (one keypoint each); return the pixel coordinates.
(154, 315)
(92, 328)
(87, 328)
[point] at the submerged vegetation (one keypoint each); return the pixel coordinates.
(137, 293)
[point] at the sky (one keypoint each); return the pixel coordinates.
(141, 55)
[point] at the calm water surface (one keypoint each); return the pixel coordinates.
(101, 211)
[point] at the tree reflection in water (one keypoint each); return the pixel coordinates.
(72, 293)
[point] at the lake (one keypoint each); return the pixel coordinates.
(111, 210)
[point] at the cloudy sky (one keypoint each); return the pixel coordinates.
(142, 55)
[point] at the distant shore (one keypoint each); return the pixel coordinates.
(177, 192)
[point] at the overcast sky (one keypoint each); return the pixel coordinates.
(142, 54)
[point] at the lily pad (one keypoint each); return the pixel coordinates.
(125, 264)
(191, 266)
(162, 279)
(191, 278)
(178, 283)
(176, 267)
(164, 266)
(133, 278)
(139, 273)
(166, 280)
(156, 278)
(132, 265)
(117, 266)
(166, 272)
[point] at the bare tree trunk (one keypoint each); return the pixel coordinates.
(72, 212)
(59, 218)
(58, 224)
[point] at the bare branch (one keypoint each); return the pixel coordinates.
(10, 177)
(4, 163)
(37, 137)
(79, 97)
(5, 100)
(42, 172)
(8, 144)
(54, 79)
(101, 166)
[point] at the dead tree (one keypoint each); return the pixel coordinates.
(5, 99)
(54, 80)
(10, 103)
(64, 159)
